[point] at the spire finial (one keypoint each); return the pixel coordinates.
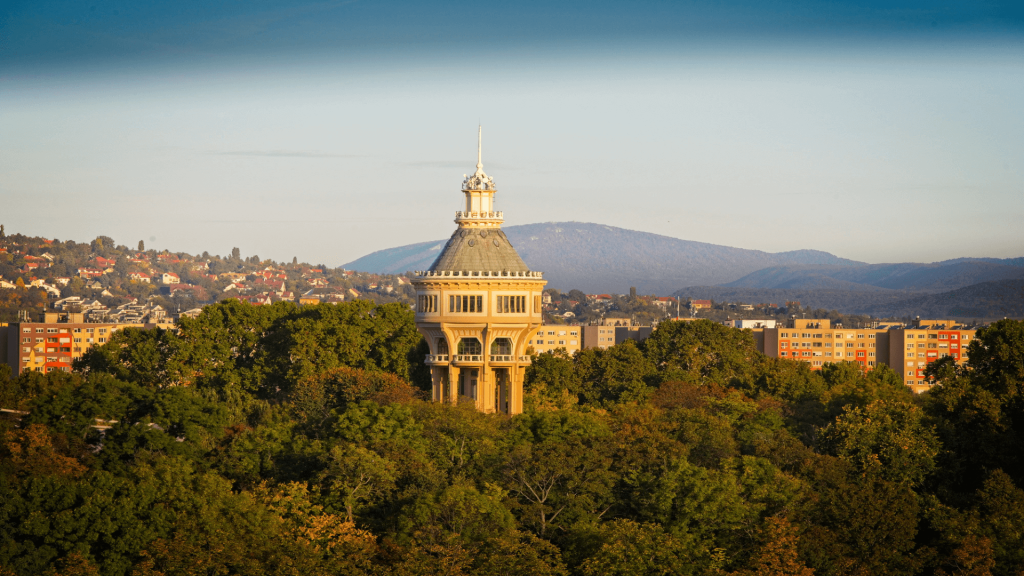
(479, 148)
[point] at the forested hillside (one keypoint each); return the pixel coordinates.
(286, 440)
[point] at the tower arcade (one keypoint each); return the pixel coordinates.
(477, 306)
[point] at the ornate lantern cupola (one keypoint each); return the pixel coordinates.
(479, 191)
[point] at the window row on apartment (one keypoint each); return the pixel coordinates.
(808, 353)
(821, 335)
(825, 345)
(65, 330)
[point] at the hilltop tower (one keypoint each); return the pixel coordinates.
(477, 306)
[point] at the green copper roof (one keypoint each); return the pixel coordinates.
(474, 249)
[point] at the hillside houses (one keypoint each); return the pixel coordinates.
(88, 273)
(101, 277)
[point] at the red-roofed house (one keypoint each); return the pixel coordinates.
(170, 278)
(87, 273)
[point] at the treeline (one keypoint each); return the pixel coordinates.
(280, 440)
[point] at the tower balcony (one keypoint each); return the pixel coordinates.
(496, 217)
(509, 359)
(476, 274)
(435, 359)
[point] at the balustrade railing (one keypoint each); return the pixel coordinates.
(477, 274)
(469, 358)
(460, 215)
(434, 358)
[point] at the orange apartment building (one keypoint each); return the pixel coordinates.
(912, 348)
(53, 345)
(817, 342)
(907, 350)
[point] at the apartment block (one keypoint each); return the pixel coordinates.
(912, 348)
(602, 337)
(816, 342)
(56, 343)
(550, 337)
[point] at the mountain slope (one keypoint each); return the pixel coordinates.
(985, 300)
(598, 258)
(937, 277)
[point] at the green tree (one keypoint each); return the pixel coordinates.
(146, 357)
(142, 246)
(358, 334)
(702, 351)
(857, 523)
(888, 438)
(553, 375)
(617, 374)
(355, 475)
(556, 469)
(633, 549)
(980, 407)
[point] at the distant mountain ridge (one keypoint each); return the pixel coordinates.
(936, 277)
(599, 258)
(596, 258)
(985, 300)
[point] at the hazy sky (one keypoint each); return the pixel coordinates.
(326, 130)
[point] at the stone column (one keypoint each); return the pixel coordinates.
(453, 385)
(503, 393)
(515, 396)
(437, 378)
(485, 389)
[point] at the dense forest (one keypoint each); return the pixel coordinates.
(286, 440)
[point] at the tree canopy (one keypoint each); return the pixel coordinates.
(287, 440)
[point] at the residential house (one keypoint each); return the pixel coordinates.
(664, 302)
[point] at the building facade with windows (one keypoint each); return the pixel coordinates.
(817, 342)
(911, 349)
(550, 337)
(54, 345)
(605, 336)
(478, 307)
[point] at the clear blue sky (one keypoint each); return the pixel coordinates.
(326, 130)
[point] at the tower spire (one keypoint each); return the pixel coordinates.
(479, 149)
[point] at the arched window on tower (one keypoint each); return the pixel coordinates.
(501, 347)
(470, 347)
(442, 346)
